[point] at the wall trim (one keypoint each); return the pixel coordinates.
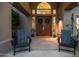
(1, 42)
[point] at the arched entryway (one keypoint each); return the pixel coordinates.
(45, 19)
(43, 22)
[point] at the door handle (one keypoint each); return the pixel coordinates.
(43, 28)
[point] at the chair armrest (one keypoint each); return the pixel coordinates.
(75, 43)
(29, 39)
(74, 38)
(58, 39)
(13, 42)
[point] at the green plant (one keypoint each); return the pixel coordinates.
(77, 32)
(15, 20)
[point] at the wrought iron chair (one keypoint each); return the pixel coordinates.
(67, 40)
(21, 40)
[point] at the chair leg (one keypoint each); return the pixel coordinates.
(74, 51)
(29, 47)
(59, 47)
(14, 51)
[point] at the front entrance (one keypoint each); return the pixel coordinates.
(43, 25)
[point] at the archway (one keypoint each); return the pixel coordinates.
(44, 11)
(43, 20)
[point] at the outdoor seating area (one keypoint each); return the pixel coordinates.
(39, 29)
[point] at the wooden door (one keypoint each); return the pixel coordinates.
(48, 26)
(44, 26)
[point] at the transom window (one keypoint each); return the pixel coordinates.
(43, 8)
(43, 5)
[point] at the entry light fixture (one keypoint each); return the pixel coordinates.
(33, 11)
(54, 11)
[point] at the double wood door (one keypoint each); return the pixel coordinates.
(44, 25)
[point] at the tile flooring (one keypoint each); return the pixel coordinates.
(43, 47)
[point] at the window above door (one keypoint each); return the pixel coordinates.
(43, 8)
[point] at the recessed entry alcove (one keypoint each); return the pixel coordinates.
(45, 19)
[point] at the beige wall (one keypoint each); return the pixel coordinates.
(5, 27)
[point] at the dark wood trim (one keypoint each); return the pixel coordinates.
(44, 15)
(30, 7)
(71, 6)
(20, 8)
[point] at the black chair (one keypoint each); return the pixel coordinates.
(21, 40)
(67, 40)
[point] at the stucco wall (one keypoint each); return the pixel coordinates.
(5, 27)
(67, 18)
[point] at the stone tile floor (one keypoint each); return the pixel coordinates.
(43, 47)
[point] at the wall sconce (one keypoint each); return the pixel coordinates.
(33, 23)
(33, 11)
(60, 25)
(54, 11)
